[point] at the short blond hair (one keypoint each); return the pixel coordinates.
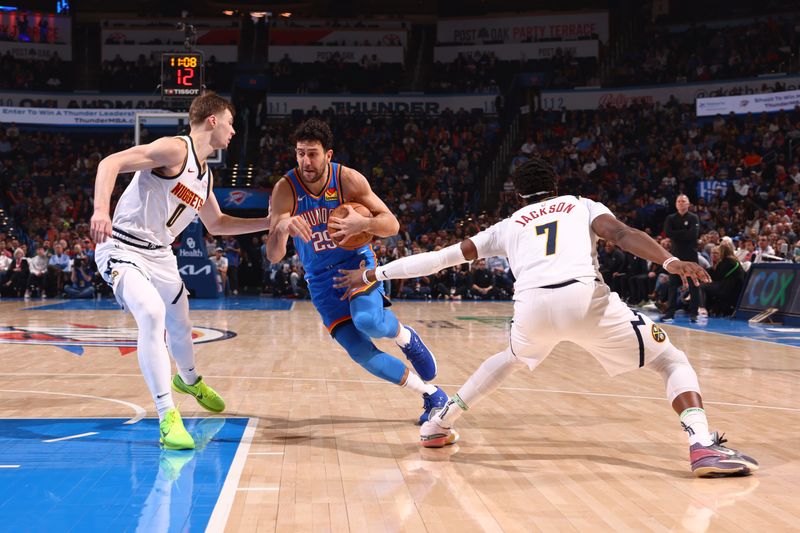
(207, 104)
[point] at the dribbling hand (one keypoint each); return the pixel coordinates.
(296, 227)
(100, 228)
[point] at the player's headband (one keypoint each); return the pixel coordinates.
(531, 195)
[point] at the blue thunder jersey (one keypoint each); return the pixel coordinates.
(320, 254)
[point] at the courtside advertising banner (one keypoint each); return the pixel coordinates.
(519, 51)
(568, 27)
(685, 93)
(748, 103)
(69, 117)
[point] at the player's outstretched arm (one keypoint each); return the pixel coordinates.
(218, 223)
(642, 245)
(413, 266)
(282, 223)
(165, 152)
(382, 223)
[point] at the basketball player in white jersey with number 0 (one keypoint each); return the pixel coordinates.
(559, 296)
(171, 185)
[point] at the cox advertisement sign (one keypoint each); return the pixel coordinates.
(772, 285)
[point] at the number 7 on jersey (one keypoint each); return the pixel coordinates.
(551, 229)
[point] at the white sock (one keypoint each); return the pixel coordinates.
(404, 337)
(415, 383)
(451, 412)
(163, 404)
(189, 376)
(695, 424)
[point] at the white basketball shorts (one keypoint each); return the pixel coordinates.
(159, 267)
(591, 316)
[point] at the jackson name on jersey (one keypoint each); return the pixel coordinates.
(547, 242)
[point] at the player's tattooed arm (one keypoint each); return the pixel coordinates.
(642, 245)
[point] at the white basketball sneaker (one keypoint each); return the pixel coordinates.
(432, 435)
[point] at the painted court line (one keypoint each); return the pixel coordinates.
(375, 381)
(228, 493)
(265, 453)
(9, 466)
(136, 409)
(71, 437)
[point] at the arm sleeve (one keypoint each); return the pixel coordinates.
(489, 242)
(418, 265)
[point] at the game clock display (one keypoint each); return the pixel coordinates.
(181, 75)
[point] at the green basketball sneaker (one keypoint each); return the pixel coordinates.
(173, 435)
(205, 395)
(171, 462)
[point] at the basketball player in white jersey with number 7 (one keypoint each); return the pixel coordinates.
(559, 296)
(171, 185)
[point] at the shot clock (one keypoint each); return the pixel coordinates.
(181, 75)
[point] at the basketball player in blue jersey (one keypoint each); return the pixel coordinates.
(300, 204)
(170, 186)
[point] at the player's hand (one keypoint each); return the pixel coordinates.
(350, 280)
(296, 227)
(100, 228)
(354, 223)
(689, 270)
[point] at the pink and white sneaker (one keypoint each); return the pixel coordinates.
(719, 461)
(432, 435)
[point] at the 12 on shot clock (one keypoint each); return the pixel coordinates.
(181, 75)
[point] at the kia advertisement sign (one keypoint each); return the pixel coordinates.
(197, 271)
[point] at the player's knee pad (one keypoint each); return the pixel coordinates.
(677, 372)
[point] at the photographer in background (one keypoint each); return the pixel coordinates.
(81, 286)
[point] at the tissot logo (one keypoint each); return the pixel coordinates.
(75, 337)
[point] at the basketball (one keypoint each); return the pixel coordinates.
(359, 239)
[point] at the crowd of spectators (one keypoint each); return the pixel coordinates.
(483, 72)
(53, 74)
(337, 75)
(663, 54)
(636, 160)
(702, 53)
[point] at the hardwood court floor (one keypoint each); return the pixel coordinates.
(564, 448)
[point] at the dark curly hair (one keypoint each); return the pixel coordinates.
(312, 130)
(535, 179)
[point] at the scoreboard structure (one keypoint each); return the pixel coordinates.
(181, 75)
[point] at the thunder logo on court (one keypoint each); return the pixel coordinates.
(75, 337)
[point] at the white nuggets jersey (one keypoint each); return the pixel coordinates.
(546, 243)
(155, 209)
